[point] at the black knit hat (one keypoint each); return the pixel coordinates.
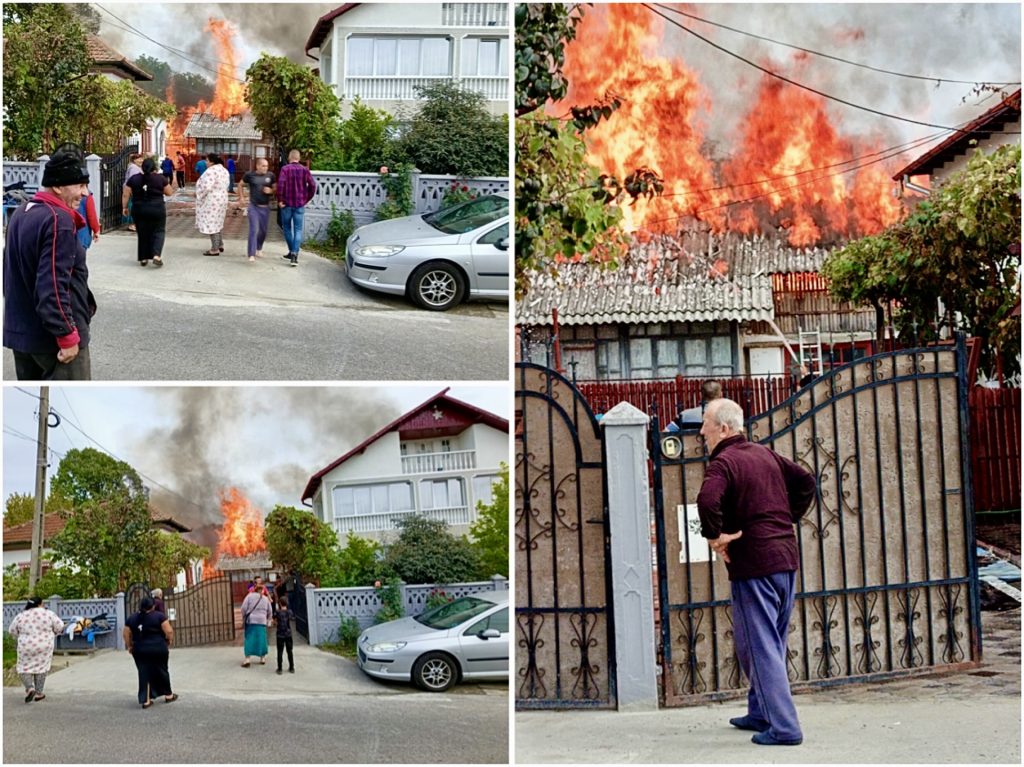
(65, 167)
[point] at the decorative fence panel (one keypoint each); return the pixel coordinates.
(326, 607)
(30, 173)
(995, 448)
(81, 608)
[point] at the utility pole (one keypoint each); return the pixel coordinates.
(36, 563)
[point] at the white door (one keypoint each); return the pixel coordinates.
(766, 361)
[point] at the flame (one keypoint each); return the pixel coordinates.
(242, 531)
(229, 93)
(777, 176)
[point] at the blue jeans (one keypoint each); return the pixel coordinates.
(291, 222)
(760, 617)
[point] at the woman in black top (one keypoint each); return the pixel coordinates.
(148, 636)
(147, 191)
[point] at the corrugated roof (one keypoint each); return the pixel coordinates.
(207, 125)
(696, 276)
(103, 55)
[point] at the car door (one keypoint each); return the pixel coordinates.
(486, 657)
(490, 261)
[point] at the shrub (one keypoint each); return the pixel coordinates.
(456, 193)
(340, 227)
(397, 182)
(391, 602)
(436, 598)
(349, 630)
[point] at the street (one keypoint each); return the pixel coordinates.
(327, 712)
(226, 319)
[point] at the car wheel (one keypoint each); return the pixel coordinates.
(437, 287)
(435, 672)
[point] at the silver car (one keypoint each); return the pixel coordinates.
(462, 640)
(438, 259)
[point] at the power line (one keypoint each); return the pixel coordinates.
(938, 80)
(785, 79)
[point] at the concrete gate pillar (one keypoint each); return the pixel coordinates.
(632, 574)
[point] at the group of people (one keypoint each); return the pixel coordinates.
(260, 608)
(48, 305)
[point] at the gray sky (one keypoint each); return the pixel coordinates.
(266, 441)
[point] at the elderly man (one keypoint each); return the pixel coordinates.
(749, 501)
(47, 301)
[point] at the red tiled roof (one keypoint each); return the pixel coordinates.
(16, 535)
(1006, 111)
(103, 55)
(478, 416)
(324, 24)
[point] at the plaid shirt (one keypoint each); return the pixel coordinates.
(295, 185)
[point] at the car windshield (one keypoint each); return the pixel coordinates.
(453, 613)
(467, 216)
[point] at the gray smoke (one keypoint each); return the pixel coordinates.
(210, 444)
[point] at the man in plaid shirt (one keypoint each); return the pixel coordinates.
(295, 188)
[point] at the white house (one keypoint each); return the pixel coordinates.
(437, 460)
(380, 52)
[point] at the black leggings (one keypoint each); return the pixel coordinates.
(282, 643)
(154, 678)
(151, 222)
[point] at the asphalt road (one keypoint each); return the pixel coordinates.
(225, 319)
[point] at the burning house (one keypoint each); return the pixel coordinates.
(241, 550)
(236, 136)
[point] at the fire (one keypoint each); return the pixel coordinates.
(777, 176)
(229, 94)
(242, 531)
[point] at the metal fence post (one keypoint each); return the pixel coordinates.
(314, 629)
(119, 618)
(632, 574)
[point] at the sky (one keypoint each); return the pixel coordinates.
(190, 442)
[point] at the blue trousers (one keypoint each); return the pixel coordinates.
(258, 218)
(291, 222)
(760, 617)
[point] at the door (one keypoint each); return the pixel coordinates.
(490, 261)
(486, 656)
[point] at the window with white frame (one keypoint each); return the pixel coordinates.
(483, 488)
(399, 57)
(381, 498)
(485, 57)
(442, 493)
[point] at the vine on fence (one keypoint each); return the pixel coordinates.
(397, 182)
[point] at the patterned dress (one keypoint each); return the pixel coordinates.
(212, 199)
(36, 630)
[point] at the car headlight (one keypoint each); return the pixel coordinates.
(379, 251)
(385, 647)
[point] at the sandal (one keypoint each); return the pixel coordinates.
(30, 695)
(131, 228)
(221, 250)
(40, 696)
(246, 664)
(147, 704)
(211, 252)
(171, 698)
(143, 263)
(157, 261)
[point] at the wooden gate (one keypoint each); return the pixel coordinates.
(888, 581)
(203, 614)
(564, 626)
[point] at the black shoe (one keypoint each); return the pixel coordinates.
(748, 723)
(291, 671)
(287, 256)
(295, 260)
(764, 739)
(279, 671)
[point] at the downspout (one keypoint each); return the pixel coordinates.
(914, 187)
(785, 343)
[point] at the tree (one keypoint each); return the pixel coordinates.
(293, 106)
(88, 475)
(104, 112)
(21, 507)
(426, 552)
(490, 531)
(364, 140)
(191, 88)
(296, 540)
(161, 71)
(87, 16)
(170, 555)
(61, 581)
(454, 134)
(359, 563)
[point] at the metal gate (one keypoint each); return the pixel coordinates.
(297, 604)
(112, 170)
(564, 625)
(133, 597)
(888, 581)
(203, 614)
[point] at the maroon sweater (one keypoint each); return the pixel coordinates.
(749, 488)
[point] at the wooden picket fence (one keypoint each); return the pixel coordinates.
(995, 448)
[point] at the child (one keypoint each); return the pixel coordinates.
(283, 619)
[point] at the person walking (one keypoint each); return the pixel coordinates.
(167, 168)
(748, 503)
(179, 169)
(283, 621)
(36, 630)
(258, 186)
(47, 302)
(200, 168)
(91, 231)
(134, 168)
(295, 188)
(212, 203)
(230, 165)
(148, 637)
(147, 191)
(256, 614)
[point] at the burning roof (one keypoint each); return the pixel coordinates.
(239, 127)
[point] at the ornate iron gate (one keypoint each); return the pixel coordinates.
(297, 604)
(564, 624)
(133, 596)
(112, 170)
(888, 581)
(203, 614)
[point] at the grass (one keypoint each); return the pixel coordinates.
(324, 250)
(10, 651)
(344, 649)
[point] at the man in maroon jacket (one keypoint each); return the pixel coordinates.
(749, 501)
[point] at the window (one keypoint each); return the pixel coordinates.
(383, 498)
(608, 361)
(446, 445)
(483, 488)
(442, 493)
(399, 56)
(498, 620)
(485, 57)
(494, 236)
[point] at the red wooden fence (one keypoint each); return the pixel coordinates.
(995, 448)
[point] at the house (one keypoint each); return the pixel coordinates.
(115, 66)
(998, 126)
(438, 460)
(380, 52)
(695, 305)
(236, 136)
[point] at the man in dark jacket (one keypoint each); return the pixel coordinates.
(749, 501)
(47, 302)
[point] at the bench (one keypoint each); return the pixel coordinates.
(80, 642)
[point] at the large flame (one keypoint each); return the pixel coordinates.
(242, 531)
(777, 175)
(229, 94)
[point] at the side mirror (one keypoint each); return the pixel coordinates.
(489, 634)
(502, 244)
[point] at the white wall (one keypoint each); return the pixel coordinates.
(987, 146)
(17, 557)
(491, 446)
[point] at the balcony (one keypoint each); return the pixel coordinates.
(429, 463)
(474, 14)
(395, 88)
(379, 523)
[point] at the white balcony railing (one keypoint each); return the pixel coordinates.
(377, 523)
(395, 88)
(428, 463)
(474, 14)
